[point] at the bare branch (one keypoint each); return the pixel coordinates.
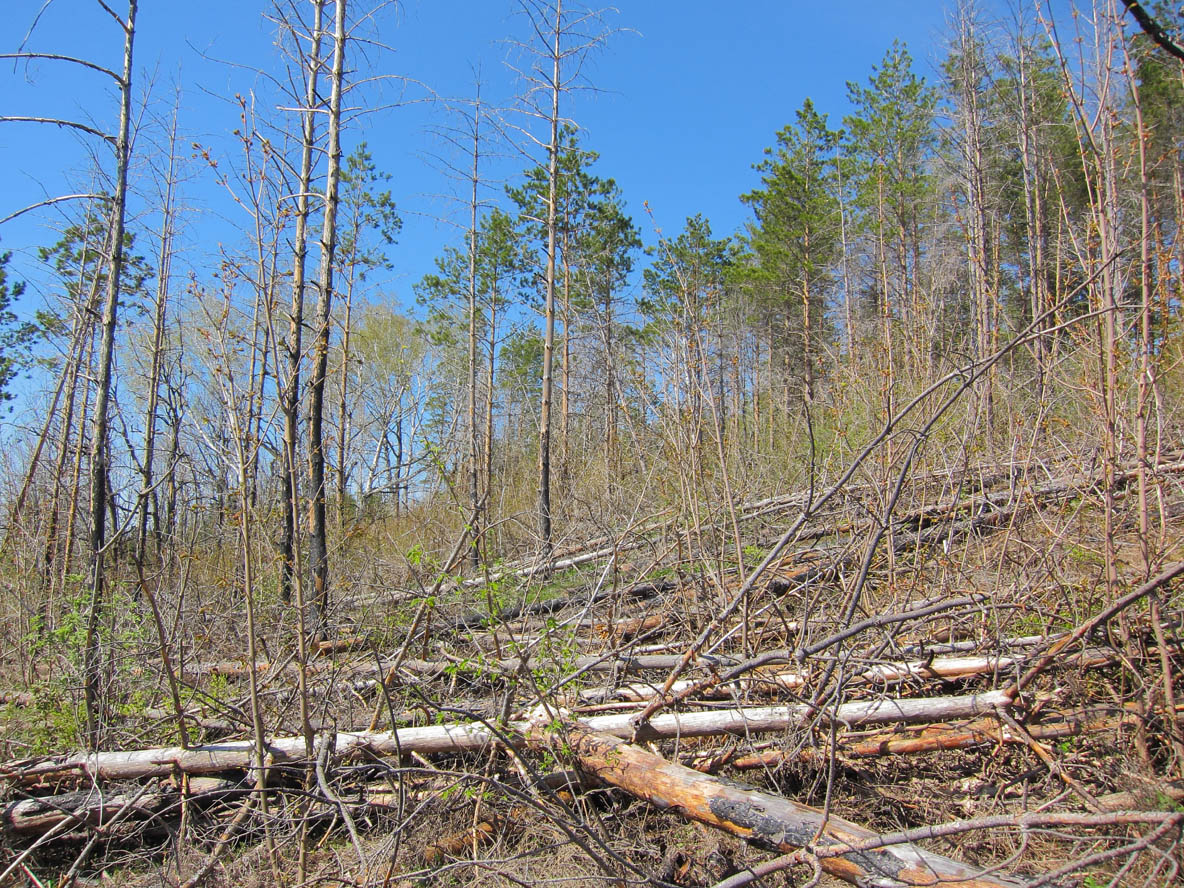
(33, 25)
(51, 201)
(1153, 29)
(106, 137)
(111, 12)
(49, 56)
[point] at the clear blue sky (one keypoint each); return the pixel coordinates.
(690, 92)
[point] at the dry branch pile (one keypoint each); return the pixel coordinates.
(805, 672)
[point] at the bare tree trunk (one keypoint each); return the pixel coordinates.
(291, 393)
(474, 455)
(81, 343)
(544, 510)
(164, 263)
(86, 360)
(845, 260)
(49, 556)
(610, 383)
(344, 417)
(970, 119)
(489, 381)
(565, 364)
(317, 542)
(93, 691)
(807, 343)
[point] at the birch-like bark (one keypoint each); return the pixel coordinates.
(473, 736)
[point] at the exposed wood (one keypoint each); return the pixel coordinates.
(1152, 797)
(770, 821)
(937, 737)
(770, 680)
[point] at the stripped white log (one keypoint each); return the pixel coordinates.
(460, 737)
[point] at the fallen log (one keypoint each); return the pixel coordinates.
(640, 591)
(236, 755)
(1153, 797)
(937, 737)
(768, 680)
(773, 822)
(37, 816)
(489, 668)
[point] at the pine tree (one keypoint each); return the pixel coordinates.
(593, 235)
(890, 139)
(369, 222)
(795, 238)
(685, 289)
(16, 336)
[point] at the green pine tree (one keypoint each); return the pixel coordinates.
(795, 238)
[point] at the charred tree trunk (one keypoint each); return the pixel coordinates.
(767, 820)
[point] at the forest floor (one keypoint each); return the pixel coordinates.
(949, 664)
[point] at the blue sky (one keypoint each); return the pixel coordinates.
(689, 93)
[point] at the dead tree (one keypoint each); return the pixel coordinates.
(317, 541)
(290, 396)
(99, 484)
(564, 36)
(770, 821)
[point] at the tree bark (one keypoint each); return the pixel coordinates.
(318, 548)
(544, 508)
(474, 450)
(769, 821)
(99, 483)
(290, 490)
(165, 259)
(37, 816)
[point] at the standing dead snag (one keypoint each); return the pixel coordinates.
(94, 695)
(317, 533)
(767, 820)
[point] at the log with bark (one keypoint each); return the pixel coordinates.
(770, 821)
(91, 807)
(1052, 725)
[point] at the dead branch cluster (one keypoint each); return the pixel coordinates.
(979, 736)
